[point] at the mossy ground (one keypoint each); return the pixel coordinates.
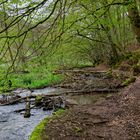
(37, 133)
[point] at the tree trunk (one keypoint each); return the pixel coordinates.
(134, 16)
(107, 18)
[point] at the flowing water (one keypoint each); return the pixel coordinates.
(13, 126)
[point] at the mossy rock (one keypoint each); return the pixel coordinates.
(129, 81)
(78, 130)
(38, 100)
(27, 114)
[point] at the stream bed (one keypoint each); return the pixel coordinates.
(13, 126)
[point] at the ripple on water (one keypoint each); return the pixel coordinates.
(14, 126)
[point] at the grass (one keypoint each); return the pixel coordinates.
(36, 78)
(37, 133)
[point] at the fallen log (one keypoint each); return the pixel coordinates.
(104, 90)
(79, 71)
(51, 103)
(69, 92)
(16, 100)
(24, 98)
(79, 92)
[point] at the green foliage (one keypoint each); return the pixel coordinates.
(129, 81)
(109, 73)
(38, 98)
(92, 31)
(36, 78)
(60, 35)
(78, 130)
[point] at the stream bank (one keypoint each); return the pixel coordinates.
(13, 126)
(115, 118)
(97, 83)
(112, 117)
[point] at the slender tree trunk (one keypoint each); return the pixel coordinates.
(107, 17)
(134, 16)
(8, 41)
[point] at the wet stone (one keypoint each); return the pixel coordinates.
(13, 126)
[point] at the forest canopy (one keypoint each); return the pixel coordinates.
(85, 31)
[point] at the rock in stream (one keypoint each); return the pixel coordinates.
(13, 126)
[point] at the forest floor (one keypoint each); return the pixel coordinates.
(115, 118)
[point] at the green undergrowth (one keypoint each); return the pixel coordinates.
(40, 128)
(129, 81)
(131, 58)
(33, 78)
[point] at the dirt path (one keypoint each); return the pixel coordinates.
(116, 118)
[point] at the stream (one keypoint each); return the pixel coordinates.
(13, 126)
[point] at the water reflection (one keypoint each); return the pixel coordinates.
(86, 99)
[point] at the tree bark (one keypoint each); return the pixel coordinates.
(107, 18)
(134, 17)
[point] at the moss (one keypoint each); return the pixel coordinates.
(37, 133)
(109, 73)
(78, 130)
(38, 98)
(129, 81)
